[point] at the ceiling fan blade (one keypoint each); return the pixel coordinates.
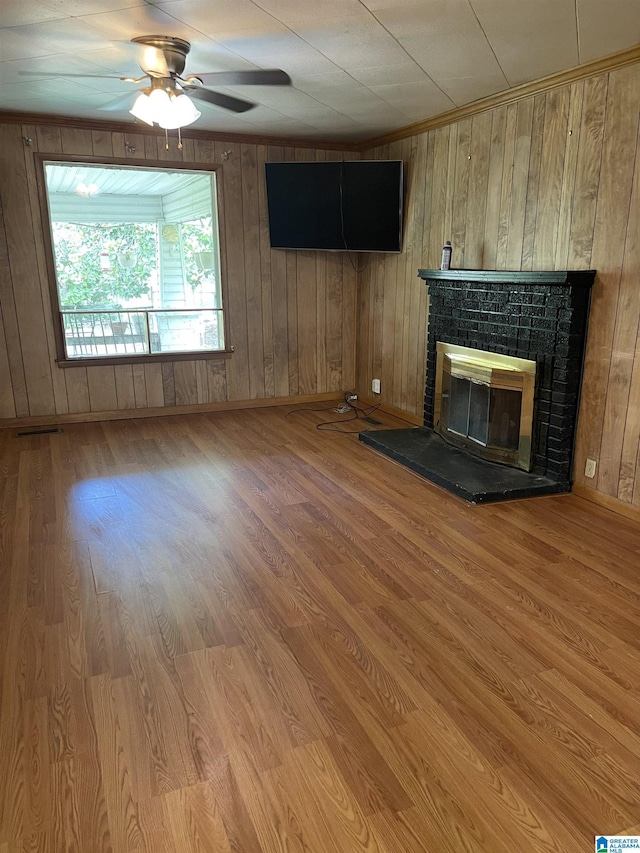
(236, 105)
(46, 75)
(261, 77)
(124, 102)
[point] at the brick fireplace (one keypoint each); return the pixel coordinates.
(538, 316)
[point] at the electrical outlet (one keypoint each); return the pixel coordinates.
(351, 396)
(375, 386)
(590, 468)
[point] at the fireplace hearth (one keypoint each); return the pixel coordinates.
(508, 345)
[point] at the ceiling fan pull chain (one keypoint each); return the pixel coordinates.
(179, 140)
(166, 139)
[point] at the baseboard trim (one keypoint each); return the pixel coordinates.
(163, 411)
(608, 502)
(391, 410)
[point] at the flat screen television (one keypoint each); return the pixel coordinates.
(353, 205)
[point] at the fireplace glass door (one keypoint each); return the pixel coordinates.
(484, 402)
(474, 410)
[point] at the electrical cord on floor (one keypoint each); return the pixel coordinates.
(328, 426)
(297, 411)
(358, 412)
(367, 411)
(349, 407)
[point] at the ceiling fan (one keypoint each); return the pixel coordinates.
(161, 100)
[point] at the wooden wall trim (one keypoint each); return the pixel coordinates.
(510, 96)
(607, 501)
(161, 411)
(131, 128)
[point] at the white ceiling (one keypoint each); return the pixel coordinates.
(360, 68)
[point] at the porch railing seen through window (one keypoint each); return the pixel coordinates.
(100, 334)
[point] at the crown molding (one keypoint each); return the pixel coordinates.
(140, 128)
(510, 96)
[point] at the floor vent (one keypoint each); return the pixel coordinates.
(43, 431)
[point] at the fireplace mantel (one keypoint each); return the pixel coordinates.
(538, 315)
(562, 278)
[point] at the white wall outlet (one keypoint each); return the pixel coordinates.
(375, 386)
(590, 468)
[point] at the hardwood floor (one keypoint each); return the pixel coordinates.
(233, 632)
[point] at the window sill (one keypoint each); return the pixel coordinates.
(144, 359)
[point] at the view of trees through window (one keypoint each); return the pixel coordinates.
(196, 238)
(136, 259)
(88, 269)
(116, 266)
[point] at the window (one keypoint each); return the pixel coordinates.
(136, 260)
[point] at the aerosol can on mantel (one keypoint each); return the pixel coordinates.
(445, 263)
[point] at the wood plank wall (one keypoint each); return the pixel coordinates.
(549, 182)
(291, 315)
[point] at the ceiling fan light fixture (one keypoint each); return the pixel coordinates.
(168, 110)
(159, 98)
(143, 109)
(181, 112)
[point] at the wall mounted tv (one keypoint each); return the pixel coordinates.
(354, 205)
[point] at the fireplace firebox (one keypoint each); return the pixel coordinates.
(503, 375)
(484, 402)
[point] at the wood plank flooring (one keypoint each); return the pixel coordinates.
(233, 632)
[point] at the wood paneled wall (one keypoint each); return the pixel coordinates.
(291, 315)
(549, 182)
(552, 181)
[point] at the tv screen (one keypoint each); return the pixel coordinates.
(354, 205)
